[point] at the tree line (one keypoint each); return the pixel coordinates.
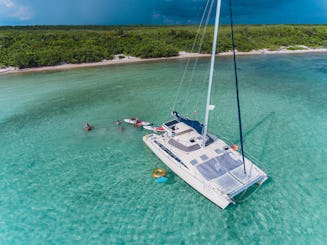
(33, 46)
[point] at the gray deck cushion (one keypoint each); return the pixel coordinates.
(183, 147)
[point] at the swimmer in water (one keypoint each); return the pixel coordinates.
(87, 126)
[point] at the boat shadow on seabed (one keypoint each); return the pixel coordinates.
(267, 122)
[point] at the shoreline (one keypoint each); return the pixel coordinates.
(131, 59)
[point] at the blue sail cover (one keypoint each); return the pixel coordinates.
(192, 123)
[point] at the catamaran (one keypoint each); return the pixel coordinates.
(207, 163)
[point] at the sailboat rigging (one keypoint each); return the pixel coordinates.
(200, 158)
(236, 83)
(212, 66)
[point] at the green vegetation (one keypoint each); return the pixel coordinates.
(34, 46)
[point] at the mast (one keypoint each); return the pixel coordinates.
(212, 66)
(236, 85)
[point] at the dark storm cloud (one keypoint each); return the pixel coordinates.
(129, 12)
(255, 11)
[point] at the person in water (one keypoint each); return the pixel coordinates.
(118, 122)
(138, 123)
(87, 126)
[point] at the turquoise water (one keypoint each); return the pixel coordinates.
(60, 184)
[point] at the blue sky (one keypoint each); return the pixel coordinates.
(124, 12)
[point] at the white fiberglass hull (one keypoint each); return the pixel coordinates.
(216, 170)
(219, 199)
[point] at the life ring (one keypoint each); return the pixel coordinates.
(158, 172)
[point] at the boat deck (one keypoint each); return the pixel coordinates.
(217, 163)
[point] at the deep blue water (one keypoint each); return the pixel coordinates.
(61, 184)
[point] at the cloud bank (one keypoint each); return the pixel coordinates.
(15, 10)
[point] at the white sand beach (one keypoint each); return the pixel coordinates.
(282, 50)
(182, 55)
(8, 69)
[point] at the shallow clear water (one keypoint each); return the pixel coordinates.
(60, 184)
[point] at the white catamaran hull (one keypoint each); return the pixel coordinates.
(216, 170)
(221, 200)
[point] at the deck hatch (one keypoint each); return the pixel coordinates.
(219, 151)
(194, 161)
(204, 157)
